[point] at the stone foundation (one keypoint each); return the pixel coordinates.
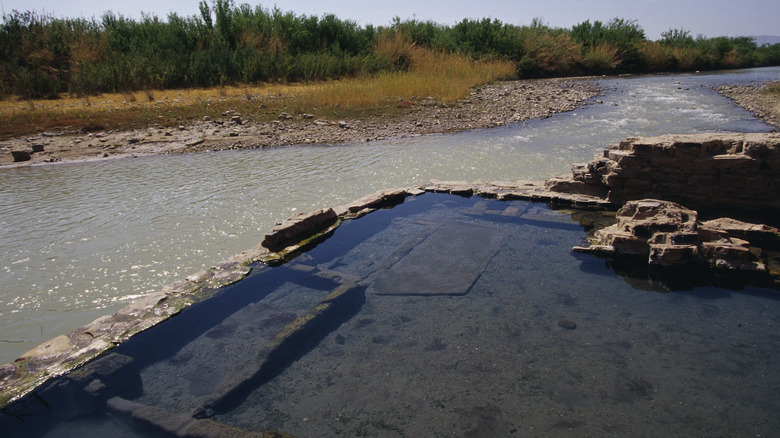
(668, 234)
(712, 173)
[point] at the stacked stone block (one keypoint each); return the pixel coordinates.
(708, 172)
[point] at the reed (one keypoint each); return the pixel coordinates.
(689, 58)
(445, 78)
(657, 57)
(601, 58)
(442, 76)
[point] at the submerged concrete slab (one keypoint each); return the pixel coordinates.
(446, 262)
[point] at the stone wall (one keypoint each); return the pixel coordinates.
(713, 173)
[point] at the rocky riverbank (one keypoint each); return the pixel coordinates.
(488, 106)
(756, 99)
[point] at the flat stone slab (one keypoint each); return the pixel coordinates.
(447, 262)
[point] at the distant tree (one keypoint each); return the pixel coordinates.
(677, 38)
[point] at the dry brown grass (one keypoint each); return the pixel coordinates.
(443, 77)
(688, 58)
(656, 56)
(601, 58)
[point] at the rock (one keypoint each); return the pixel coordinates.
(21, 156)
(708, 172)
(308, 116)
(343, 124)
(237, 120)
(568, 325)
(734, 226)
(37, 147)
(377, 199)
(298, 227)
(56, 347)
(285, 116)
(7, 370)
(669, 234)
(755, 99)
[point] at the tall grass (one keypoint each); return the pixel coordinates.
(601, 58)
(445, 77)
(441, 76)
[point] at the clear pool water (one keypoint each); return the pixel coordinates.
(465, 317)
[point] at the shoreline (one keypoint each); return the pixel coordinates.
(752, 98)
(488, 106)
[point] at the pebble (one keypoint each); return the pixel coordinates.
(568, 325)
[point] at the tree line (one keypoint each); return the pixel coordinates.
(44, 56)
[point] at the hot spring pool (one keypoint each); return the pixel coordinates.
(452, 316)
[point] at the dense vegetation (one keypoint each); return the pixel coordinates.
(226, 44)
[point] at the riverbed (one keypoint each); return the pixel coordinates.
(81, 240)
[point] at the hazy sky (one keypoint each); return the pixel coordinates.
(708, 17)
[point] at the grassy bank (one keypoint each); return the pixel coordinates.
(121, 73)
(444, 77)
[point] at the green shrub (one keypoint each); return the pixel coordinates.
(43, 56)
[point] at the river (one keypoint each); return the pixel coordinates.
(82, 240)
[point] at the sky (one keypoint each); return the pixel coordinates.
(710, 18)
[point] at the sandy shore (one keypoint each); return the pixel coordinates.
(489, 106)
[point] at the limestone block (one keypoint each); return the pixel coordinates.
(297, 227)
(376, 199)
(667, 255)
(731, 249)
(736, 162)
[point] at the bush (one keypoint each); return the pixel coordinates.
(553, 53)
(42, 56)
(601, 58)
